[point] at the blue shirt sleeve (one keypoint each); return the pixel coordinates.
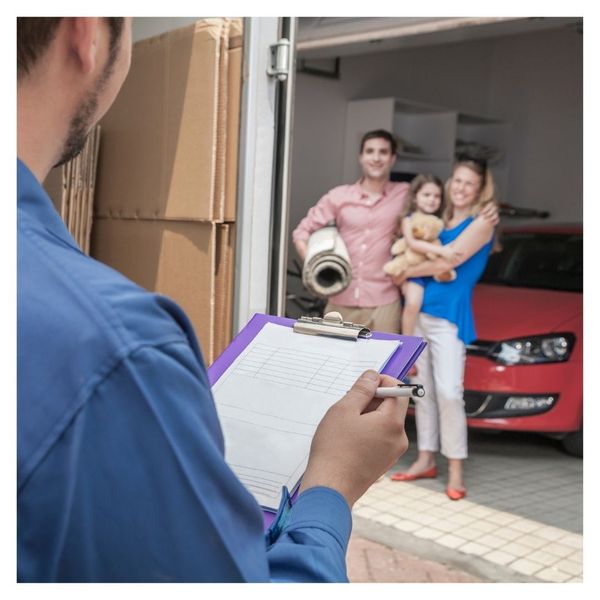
(317, 529)
(137, 489)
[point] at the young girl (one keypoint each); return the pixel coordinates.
(426, 196)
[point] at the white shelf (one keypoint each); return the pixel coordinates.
(433, 129)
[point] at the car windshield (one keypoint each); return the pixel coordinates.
(551, 261)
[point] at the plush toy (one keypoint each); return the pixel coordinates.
(424, 227)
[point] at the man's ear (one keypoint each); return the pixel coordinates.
(83, 41)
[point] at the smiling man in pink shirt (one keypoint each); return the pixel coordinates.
(366, 215)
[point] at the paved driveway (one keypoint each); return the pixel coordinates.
(521, 473)
(521, 520)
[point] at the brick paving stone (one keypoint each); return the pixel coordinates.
(468, 533)
(499, 557)
(445, 525)
(574, 541)
(491, 540)
(427, 533)
(407, 526)
(526, 525)
(382, 505)
(526, 566)
(532, 541)
(416, 492)
(474, 548)
(365, 511)
(407, 514)
(440, 513)
(385, 519)
(558, 549)
(484, 526)
(501, 518)
(576, 556)
(460, 519)
(450, 541)
(438, 499)
(424, 518)
(418, 505)
(545, 558)
(481, 511)
(517, 549)
(570, 567)
(508, 534)
(369, 562)
(550, 533)
(554, 575)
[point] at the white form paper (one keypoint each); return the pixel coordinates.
(272, 397)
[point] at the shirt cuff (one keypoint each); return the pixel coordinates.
(322, 508)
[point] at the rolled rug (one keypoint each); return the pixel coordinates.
(327, 270)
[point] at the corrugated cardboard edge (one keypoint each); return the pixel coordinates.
(234, 94)
(217, 28)
(224, 288)
(221, 125)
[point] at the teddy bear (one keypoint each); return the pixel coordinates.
(424, 227)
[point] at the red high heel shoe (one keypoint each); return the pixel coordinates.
(427, 474)
(455, 494)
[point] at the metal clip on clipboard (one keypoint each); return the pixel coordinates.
(331, 325)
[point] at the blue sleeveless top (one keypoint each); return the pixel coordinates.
(452, 301)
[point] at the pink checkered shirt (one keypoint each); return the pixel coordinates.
(367, 226)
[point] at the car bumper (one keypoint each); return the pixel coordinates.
(556, 389)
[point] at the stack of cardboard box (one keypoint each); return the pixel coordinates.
(167, 174)
(71, 188)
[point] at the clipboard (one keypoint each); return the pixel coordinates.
(397, 365)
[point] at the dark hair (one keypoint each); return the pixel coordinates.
(379, 134)
(475, 160)
(410, 204)
(34, 35)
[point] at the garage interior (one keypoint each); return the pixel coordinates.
(523, 76)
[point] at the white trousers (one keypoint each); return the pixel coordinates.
(440, 414)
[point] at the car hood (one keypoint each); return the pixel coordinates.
(508, 312)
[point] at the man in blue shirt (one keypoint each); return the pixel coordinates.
(121, 471)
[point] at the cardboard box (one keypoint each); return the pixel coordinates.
(188, 261)
(167, 173)
(170, 139)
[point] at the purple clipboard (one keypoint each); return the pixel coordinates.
(397, 366)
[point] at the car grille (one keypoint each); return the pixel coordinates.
(480, 348)
(486, 405)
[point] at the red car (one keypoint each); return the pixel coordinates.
(525, 371)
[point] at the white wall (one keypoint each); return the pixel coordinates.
(533, 81)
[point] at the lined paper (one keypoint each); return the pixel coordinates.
(272, 397)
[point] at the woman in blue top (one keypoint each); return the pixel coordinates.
(446, 323)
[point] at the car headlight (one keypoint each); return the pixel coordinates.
(554, 347)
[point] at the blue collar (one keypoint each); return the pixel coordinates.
(33, 199)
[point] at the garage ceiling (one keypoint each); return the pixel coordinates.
(327, 37)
